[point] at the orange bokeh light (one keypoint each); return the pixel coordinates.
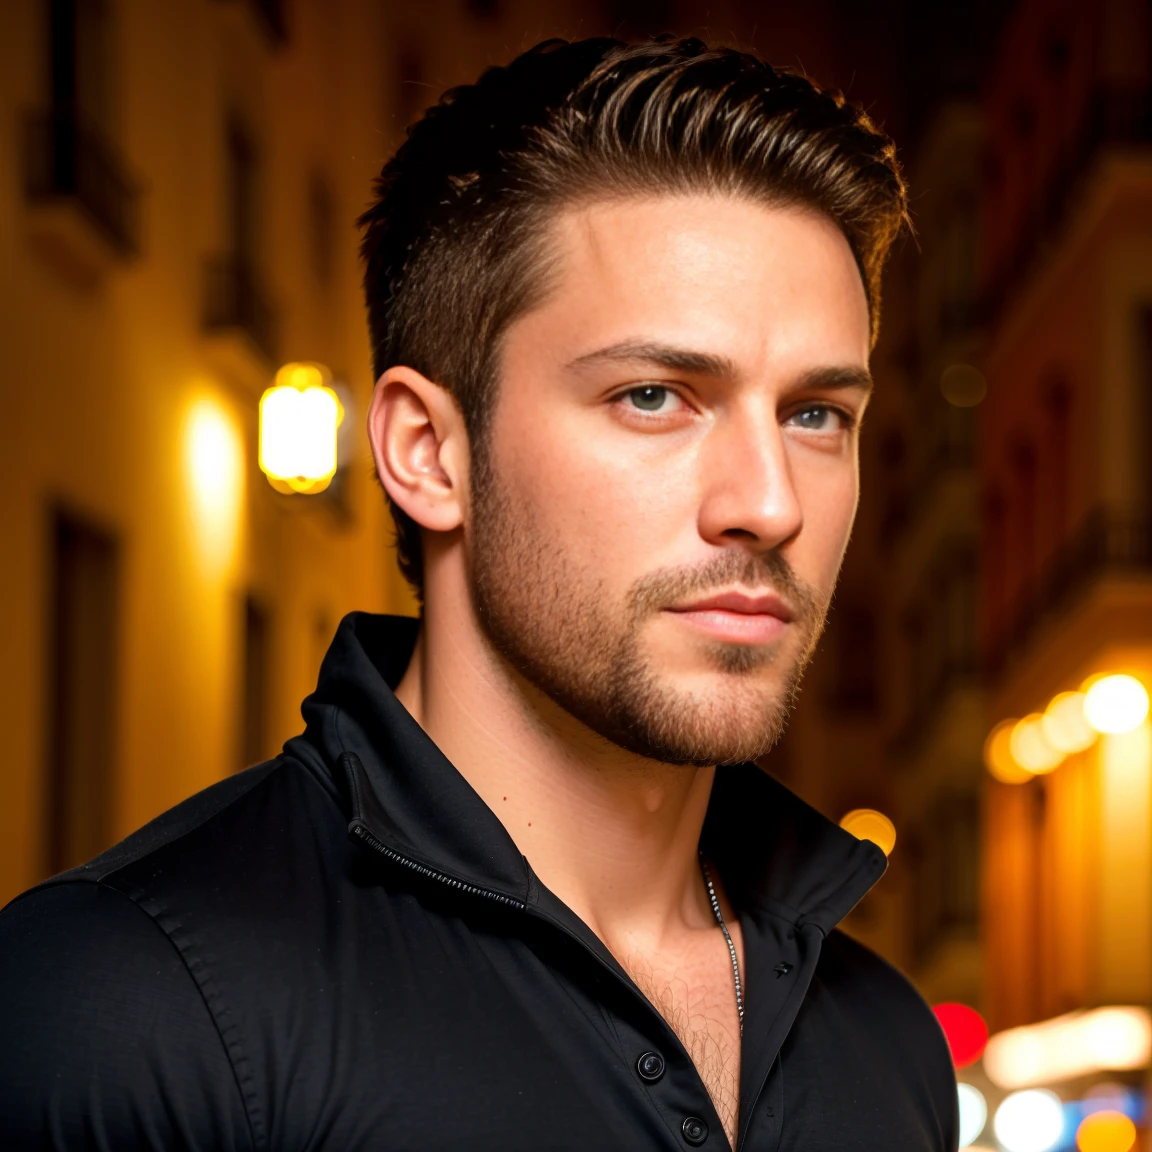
(1106, 1132)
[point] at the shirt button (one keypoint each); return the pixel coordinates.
(694, 1131)
(650, 1067)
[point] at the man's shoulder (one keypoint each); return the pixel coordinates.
(176, 826)
(877, 990)
(866, 1035)
(212, 836)
(122, 980)
(226, 875)
(886, 1036)
(104, 1033)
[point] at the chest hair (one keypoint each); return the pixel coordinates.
(700, 1008)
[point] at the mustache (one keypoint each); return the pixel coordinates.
(763, 571)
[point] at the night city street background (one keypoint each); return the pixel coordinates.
(179, 183)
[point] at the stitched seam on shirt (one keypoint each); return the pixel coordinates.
(221, 1018)
(155, 919)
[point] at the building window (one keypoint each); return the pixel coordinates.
(82, 690)
(70, 152)
(235, 297)
(254, 686)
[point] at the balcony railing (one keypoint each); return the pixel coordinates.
(234, 300)
(1106, 544)
(1113, 117)
(68, 159)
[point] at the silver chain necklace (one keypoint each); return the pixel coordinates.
(727, 940)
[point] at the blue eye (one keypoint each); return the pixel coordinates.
(816, 418)
(649, 398)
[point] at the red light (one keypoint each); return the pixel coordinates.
(965, 1031)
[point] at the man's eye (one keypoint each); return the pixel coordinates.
(818, 418)
(650, 398)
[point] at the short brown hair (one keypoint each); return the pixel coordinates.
(452, 243)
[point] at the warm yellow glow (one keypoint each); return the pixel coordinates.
(299, 417)
(963, 386)
(1079, 1044)
(214, 460)
(1106, 1132)
(1115, 704)
(868, 824)
(1064, 726)
(1029, 747)
(998, 758)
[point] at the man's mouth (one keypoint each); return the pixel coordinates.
(737, 616)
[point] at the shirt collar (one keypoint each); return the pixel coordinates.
(774, 851)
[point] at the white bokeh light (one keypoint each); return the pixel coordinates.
(973, 1113)
(1029, 1121)
(1115, 704)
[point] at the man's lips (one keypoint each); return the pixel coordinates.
(739, 617)
(742, 603)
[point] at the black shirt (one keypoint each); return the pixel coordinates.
(343, 949)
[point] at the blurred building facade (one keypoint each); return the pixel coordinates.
(1065, 444)
(177, 210)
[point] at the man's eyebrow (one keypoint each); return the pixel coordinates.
(710, 364)
(664, 355)
(836, 376)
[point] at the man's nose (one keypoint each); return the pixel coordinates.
(749, 492)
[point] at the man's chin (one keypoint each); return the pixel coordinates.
(709, 717)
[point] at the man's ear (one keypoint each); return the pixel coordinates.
(420, 446)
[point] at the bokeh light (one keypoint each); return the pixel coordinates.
(963, 385)
(1079, 1044)
(998, 758)
(1029, 1121)
(299, 420)
(214, 461)
(1064, 725)
(1030, 748)
(973, 1113)
(965, 1031)
(868, 824)
(1115, 704)
(1106, 1131)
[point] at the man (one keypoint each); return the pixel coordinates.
(500, 894)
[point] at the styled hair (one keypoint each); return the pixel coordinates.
(454, 244)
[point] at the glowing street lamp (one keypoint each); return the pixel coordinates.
(299, 418)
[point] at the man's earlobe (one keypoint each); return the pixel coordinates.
(420, 447)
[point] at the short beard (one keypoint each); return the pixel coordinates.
(553, 622)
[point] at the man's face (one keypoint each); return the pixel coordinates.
(669, 477)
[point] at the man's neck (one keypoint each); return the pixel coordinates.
(612, 834)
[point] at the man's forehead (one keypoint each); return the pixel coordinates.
(706, 277)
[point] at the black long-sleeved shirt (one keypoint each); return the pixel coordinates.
(342, 949)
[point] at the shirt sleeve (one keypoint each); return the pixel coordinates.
(105, 1039)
